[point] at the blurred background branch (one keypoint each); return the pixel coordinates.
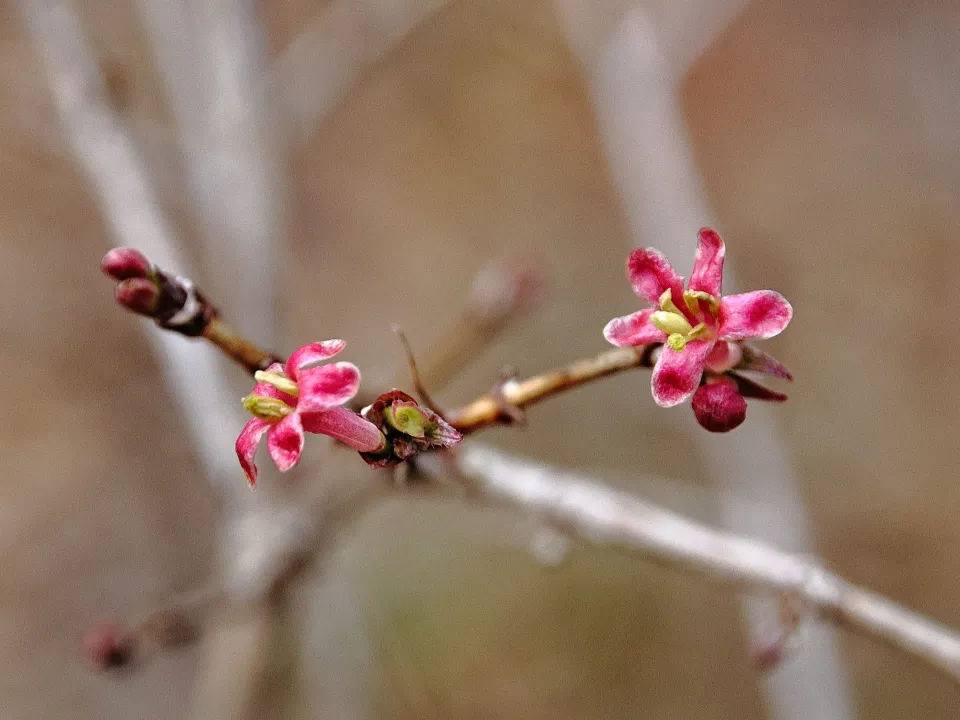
(467, 127)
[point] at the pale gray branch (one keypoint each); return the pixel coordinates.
(328, 58)
(102, 146)
(601, 515)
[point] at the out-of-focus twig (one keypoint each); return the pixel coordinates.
(598, 514)
(102, 146)
(334, 50)
(502, 291)
(235, 660)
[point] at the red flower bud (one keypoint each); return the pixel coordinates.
(122, 263)
(138, 294)
(106, 645)
(719, 407)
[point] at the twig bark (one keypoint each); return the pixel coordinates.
(601, 515)
(493, 407)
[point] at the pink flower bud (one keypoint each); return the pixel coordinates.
(106, 645)
(122, 263)
(137, 294)
(719, 407)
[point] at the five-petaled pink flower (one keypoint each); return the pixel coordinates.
(698, 327)
(290, 400)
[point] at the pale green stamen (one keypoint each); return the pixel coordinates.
(671, 323)
(280, 381)
(693, 297)
(667, 304)
(266, 408)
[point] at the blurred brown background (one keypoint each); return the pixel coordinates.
(827, 136)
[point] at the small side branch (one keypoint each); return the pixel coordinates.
(598, 514)
(174, 303)
(518, 394)
(235, 346)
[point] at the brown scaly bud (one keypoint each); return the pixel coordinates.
(122, 263)
(107, 645)
(170, 300)
(409, 428)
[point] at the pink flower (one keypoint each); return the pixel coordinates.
(290, 400)
(699, 328)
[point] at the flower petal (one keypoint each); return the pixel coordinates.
(758, 361)
(707, 275)
(677, 374)
(247, 443)
(285, 442)
(758, 314)
(650, 274)
(327, 386)
(633, 330)
(312, 354)
(347, 427)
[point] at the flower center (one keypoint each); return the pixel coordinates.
(670, 320)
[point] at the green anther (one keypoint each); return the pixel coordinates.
(266, 408)
(667, 304)
(280, 381)
(670, 322)
(699, 330)
(692, 299)
(677, 342)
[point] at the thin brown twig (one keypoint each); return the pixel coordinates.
(489, 409)
(415, 377)
(238, 348)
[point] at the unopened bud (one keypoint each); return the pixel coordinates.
(106, 645)
(122, 263)
(719, 406)
(138, 294)
(406, 418)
